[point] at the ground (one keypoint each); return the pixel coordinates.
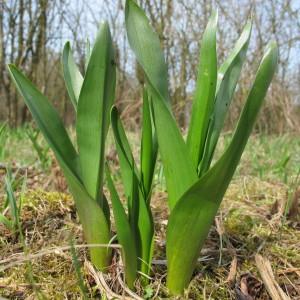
(49, 261)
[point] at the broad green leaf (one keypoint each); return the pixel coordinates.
(205, 92)
(179, 170)
(133, 209)
(148, 148)
(48, 121)
(72, 75)
(87, 53)
(255, 98)
(239, 45)
(230, 73)
(95, 101)
(146, 45)
(178, 167)
(139, 213)
(94, 222)
(190, 220)
(124, 233)
(146, 229)
(124, 152)
(95, 226)
(130, 179)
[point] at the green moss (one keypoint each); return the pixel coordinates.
(238, 224)
(288, 253)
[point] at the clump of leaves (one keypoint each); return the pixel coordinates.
(41, 150)
(92, 97)
(195, 189)
(135, 230)
(11, 211)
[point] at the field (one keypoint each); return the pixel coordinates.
(259, 215)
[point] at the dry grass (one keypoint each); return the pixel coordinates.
(251, 221)
(247, 224)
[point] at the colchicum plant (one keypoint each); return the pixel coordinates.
(135, 231)
(195, 190)
(92, 97)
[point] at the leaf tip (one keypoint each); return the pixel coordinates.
(67, 46)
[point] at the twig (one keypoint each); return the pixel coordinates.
(232, 272)
(266, 273)
(101, 283)
(297, 271)
(128, 291)
(20, 258)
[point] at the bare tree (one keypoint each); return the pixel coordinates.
(32, 34)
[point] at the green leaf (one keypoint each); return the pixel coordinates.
(205, 92)
(48, 121)
(72, 75)
(6, 222)
(146, 229)
(129, 174)
(146, 45)
(190, 220)
(12, 201)
(238, 50)
(87, 53)
(263, 78)
(179, 170)
(2, 127)
(133, 208)
(95, 101)
(140, 217)
(94, 223)
(124, 233)
(148, 148)
(230, 73)
(124, 152)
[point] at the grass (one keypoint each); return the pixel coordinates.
(250, 221)
(274, 158)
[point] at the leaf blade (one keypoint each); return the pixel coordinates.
(72, 76)
(193, 214)
(147, 48)
(95, 101)
(124, 233)
(230, 73)
(205, 92)
(148, 147)
(179, 170)
(124, 152)
(48, 120)
(90, 213)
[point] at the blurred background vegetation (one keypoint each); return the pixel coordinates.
(33, 32)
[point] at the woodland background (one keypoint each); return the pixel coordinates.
(33, 32)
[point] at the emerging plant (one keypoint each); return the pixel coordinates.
(2, 138)
(92, 98)
(12, 206)
(195, 190)
(2, 127)
(42, 151)
(135, 231)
